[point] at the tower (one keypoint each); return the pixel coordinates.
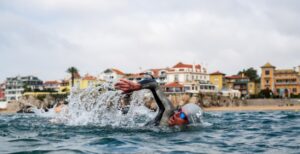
(267, 77)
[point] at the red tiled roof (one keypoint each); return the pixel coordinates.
(51, 82)
(89, 77)
(173, 84)
(64, 81)
(217, 73)
(117, 71)
(155, 72)
(182, 65)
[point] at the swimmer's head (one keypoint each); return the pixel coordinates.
(189, 113)
(193, 112)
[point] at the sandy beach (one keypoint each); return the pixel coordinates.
(254, 108)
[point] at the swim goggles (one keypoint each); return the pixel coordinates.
(182, 115)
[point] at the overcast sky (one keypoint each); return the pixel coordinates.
(45, 37)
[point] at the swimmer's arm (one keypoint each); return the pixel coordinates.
(165, 106)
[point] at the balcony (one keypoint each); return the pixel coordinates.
(286, 83)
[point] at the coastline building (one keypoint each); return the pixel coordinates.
(111, 74)
(134, 77)
(253, 87)
(282, 82)
(52, 85)
(238, 82)
(160, 75)
(173, 87)
(217, 79)
(267, 77)
(231, 93)
(194, 78)
(207, 87)
(81, 82)
(15, 86)
(64, 86)
(87, 81)
(2, 91)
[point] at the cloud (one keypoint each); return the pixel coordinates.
(46, 37)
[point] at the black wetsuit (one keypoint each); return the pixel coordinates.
(166, 109)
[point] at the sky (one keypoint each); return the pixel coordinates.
(45, 37)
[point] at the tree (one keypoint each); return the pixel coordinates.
(251, 73)
(73, 71)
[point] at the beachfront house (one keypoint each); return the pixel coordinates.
(88, 81)
(160, 75)
(282, 82)
(188, 75)
(134, 77)
(64, 86)
(15, 86)
(231, 93)
(173, 87)
(111, 74)
(217, 79)
(52, 85)
(2, 91)
(238, 82)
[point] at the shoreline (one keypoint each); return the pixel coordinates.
(253, 108)
(226, 109)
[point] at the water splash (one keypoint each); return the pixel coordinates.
(103, 106)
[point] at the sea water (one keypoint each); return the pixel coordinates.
(94, 123)
(226, 132)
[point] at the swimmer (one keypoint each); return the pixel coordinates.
(167, 115)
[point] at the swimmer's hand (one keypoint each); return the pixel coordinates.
(127, 86)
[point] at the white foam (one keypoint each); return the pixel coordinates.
(101, 106)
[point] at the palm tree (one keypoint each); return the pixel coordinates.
(72, 70)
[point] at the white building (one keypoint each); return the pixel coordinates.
(231, 93)
(111, 74)
(160, 75)
(15, 86)
(2, 91)
(52, 85)
(188, 75)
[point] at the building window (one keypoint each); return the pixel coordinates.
(267, 72)
(181, 70)
(294, 90)
(278, 91)
(176, 77)
(267, 81)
